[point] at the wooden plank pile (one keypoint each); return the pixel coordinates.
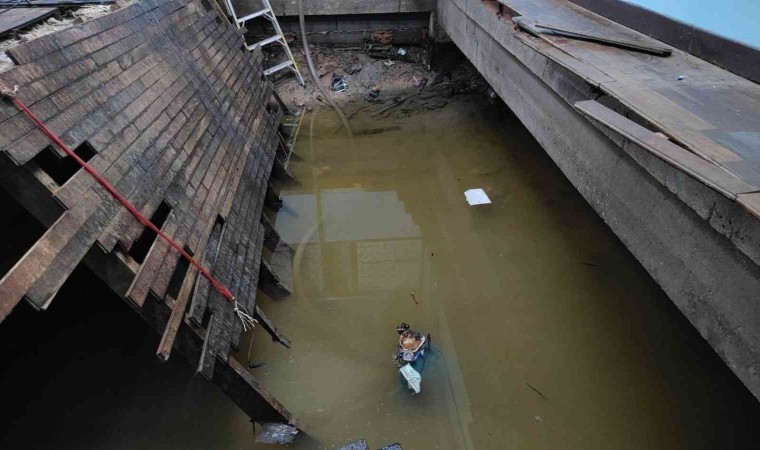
(167, 106)
(14, 18)
(707, 111)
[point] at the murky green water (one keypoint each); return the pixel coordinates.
(533, 290)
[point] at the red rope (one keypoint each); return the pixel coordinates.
(131, 208)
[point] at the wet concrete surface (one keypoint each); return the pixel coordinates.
(547, 333)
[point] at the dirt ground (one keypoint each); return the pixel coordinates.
(380, 80)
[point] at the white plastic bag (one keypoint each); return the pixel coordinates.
(413, 378)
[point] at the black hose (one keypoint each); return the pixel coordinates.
(313, 72)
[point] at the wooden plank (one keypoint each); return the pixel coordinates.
(15, 284)
(271, 237)
(670, 118)
(208, 359)
(703, 108)
(270, 328)
(17, 18)
(705, 171)
(238, 383)
(47, 283)
(751, 202)
(138, 290)
(50, 281)
(166, 345)
(238, 179)
(202, 286)
(187, 289)
(611, 40)
(175, 110)
(230, 270)
(67, 64)
(206, 219)
(160, 176)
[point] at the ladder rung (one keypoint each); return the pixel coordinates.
(280, 66)
(253, 15)
(266, 41)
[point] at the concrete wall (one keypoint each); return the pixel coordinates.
(339, 7)
(682, 232)
(409, 28)
(345, 21)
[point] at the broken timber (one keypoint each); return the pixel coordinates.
(167, 107)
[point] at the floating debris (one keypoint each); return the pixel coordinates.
(476, 197)
(537, 391)
(277, 433)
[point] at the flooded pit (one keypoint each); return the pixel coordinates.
(531, 292)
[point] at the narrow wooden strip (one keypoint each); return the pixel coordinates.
(13, 19)
(166, 344)
(701, 169)
(625, 43)
(138, 290)
(270, 328)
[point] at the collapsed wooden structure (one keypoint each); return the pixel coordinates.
(162, 100)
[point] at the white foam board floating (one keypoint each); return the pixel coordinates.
(477, 197)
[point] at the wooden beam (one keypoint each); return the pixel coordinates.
(248, 394)
(267, 325)
(234, 380)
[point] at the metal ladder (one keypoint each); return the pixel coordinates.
(268, 14)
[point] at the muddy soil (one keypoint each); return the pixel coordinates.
(382, 81)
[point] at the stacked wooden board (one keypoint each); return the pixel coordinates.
(177, 116)
(707, 111)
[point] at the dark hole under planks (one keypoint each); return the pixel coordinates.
(142, 245)
(178, 276)
(85, 367)
(17, 222)
(61, 169)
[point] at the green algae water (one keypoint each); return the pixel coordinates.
(546, 332)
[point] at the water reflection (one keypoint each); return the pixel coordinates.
(372, 243)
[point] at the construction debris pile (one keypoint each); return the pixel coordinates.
(383, 80)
